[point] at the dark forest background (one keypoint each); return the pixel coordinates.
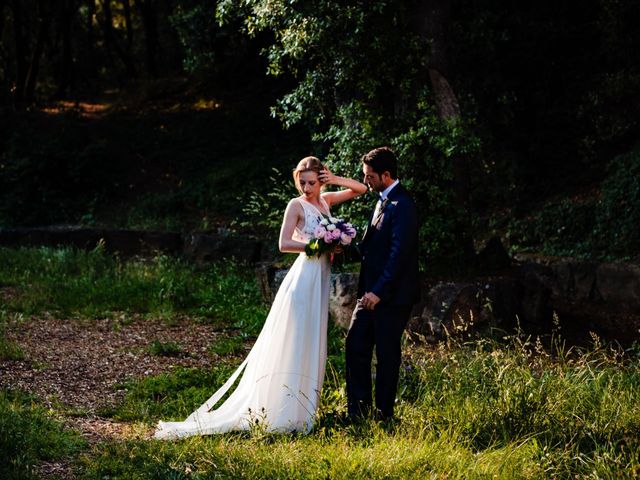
(514, 120)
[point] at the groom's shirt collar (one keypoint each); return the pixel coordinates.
(384, 194)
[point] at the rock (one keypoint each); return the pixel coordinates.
(535, 313)
(451, 309)
(342, 297)
(270, 276)
(584, 281)
(206, 248)
(619, 284)
(493, 257)
(125, 242)
(563, 274)
(343, 289)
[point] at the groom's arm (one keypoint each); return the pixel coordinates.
(404, 228)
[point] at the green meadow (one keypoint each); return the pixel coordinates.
(506, 407)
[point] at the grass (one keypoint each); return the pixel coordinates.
(170, 396)
(9, 350)
(228, 346)
(71, 282)
(482, 409)
(516, 407)
(478, 409)
(29, 434)
(165, 349)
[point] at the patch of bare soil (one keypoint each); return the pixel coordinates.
(82, 364)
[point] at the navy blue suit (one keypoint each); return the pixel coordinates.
(390, 270)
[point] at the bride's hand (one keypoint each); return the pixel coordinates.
(326, 177)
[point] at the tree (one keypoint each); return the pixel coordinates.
(366, 76)
(112, 43)
(148, 12)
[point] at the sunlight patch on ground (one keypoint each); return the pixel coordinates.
(204, 104)
(96, 429)
(85, 109)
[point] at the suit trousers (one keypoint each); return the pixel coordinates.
(380, 328)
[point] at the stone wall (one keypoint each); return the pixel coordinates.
(573, 298)
(201, 248)
(526, 291)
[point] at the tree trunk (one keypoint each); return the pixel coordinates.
(66, 67)
(4, 81)
(91, 37)
(21, 50)
(111, 42)
(432, 18)
(148, 11)
(2, 17)
(126, 7)
(44, 20)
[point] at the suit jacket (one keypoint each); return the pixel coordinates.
(389, 252)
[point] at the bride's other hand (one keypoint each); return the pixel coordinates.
(326, 177)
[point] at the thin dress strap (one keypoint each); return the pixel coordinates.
(325, 205)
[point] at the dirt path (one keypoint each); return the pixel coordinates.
(81, 365)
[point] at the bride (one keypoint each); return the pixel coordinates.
(283, 373)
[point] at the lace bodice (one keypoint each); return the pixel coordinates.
(312, 217)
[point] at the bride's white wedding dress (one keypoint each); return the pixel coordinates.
(283, 374)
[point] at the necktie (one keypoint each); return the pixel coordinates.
(379, 207)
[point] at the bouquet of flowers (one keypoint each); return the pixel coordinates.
(329, 235)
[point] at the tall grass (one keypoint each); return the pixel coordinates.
(482, 409)
(68, 281)
(512, 408)
(9, 350)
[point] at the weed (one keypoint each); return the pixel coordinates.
(168, 349)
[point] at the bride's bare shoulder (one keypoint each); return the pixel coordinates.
(295, 201)
(295, 205)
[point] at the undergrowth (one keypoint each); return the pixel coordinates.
(70, 282)
(29, 435)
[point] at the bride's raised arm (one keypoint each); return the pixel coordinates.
(353, 188)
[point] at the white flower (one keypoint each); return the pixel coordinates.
(331, 227)
(334, 219)
(324, 221)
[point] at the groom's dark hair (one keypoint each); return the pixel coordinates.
(382, 159)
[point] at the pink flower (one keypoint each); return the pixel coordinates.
(345, 239)
(319, 232)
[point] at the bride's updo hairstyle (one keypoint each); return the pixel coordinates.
(307, 164)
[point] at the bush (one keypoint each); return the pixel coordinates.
(598, 227)
(618, 213)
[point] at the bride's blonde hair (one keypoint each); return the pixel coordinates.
(307, 164)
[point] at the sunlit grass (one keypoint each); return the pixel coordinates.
(517, 407)
(482, 409)
(69, 282)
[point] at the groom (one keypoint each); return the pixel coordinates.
(387, 289)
